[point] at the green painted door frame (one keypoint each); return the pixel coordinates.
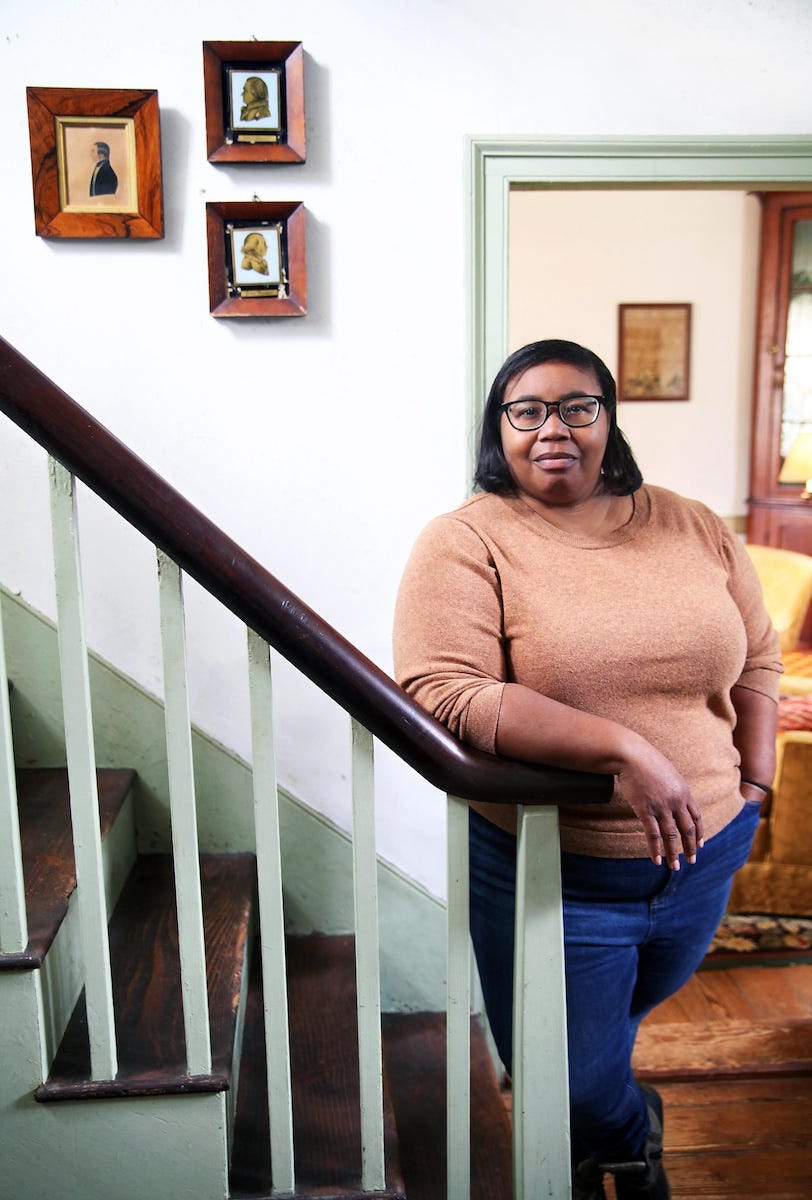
(497, 165)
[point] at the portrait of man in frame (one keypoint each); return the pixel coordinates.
(255, 102)
(97, 165)
(256, 258)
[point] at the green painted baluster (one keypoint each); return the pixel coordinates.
(458, 1009)
(184, 821)
(13, 922)
(271, 914)
(540, 1080)
(81, 759)
(367, 970)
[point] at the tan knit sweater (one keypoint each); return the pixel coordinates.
(650, 627)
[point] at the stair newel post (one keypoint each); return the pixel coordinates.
(541, 1134)
(367, 968)
(458, 1007)
(13, 920)
(271, 914)
(188, 892)
(81, 763)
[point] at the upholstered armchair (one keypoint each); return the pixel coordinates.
(778, 876)
(786, 581)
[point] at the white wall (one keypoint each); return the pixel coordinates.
(332, 508)
(576, 255)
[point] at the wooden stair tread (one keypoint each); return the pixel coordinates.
(326, 1090)
(738, 1048)
(414, 1053)
(147, 988)
(46, 840)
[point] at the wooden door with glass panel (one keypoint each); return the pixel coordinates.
(780, 503)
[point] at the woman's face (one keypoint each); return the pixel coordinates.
(555, 465)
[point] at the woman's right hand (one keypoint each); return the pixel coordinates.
(536, 728)
(656, 791)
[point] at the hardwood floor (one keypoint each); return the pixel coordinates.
(731, 1055)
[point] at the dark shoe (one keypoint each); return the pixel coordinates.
(645, 1179)
(646, 1183)
(587, 1181)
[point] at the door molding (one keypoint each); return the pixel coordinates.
(496, 165)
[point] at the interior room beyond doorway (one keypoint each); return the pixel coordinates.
(576, 254)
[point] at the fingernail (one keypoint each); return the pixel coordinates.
(691, 858)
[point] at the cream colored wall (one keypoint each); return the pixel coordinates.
(576, 254)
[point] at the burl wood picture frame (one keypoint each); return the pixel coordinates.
(254, 94)
(96, 162)
(256, 258)
(654, 351)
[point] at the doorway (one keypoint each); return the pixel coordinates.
(498, 166)
(578, 257)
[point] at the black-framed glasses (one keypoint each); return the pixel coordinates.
(575, 411)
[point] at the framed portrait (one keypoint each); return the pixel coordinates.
(96, 163)
(256, 259)
(254, 93)
(654, 351)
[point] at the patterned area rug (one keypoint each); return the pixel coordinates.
(755, 939)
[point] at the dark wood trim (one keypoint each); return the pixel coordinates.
(291, 148)
(780, 211)
(291, 213)
(46, 844)
(146, 501)
(145, 963)
(46, 107)
(177, 1084)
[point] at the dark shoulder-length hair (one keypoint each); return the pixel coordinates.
(621, 474)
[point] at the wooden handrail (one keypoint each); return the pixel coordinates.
(73, 437)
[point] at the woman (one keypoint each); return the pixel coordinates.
(571, 615)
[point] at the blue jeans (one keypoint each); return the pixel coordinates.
(633, 935)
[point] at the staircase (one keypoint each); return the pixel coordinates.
(208, 1135)
(133, 1026)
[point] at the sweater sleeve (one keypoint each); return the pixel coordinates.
(763, 666)
(448, 648)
